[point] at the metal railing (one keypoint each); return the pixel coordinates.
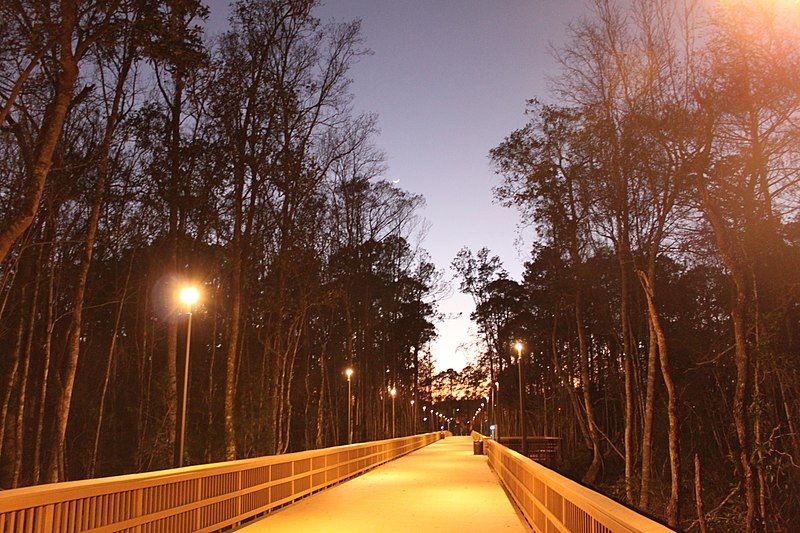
(552, 502)
(195, 498)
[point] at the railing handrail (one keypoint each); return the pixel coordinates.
(157, 477)
(195, 492)
(597, 507)
(529, 437)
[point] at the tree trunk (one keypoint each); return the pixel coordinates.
(57, 470)
(740, 401)
(320, 428)
(211, 384)
(234, 327)
(698, 495)
(310, 430)
(23, 382)
(627, 357)
(174, 154)
(673, 509)
(46, 355)
(594, 468)
(735, 264)
(11, 377)
(107, 377)
(647, 432)
(759, 442)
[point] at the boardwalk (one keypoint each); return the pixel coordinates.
(428, 484)
(442, 487)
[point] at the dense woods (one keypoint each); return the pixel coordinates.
(139, 155)
(660, 301)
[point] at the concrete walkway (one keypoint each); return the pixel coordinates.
(442, 487)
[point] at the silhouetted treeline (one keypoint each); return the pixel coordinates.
(660, 303)
(138, 155)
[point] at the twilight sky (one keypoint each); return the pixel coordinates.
(448, 80)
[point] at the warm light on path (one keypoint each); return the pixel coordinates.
(442, 487)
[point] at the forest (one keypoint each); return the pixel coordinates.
(140, 155)
(659, 303)
(659, 306)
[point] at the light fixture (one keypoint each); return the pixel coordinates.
(189, 295)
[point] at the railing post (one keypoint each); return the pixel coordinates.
(48, 517)
(198, 495)
(138, 505)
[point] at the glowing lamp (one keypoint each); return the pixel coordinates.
(189, 296)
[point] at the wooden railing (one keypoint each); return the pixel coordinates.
(195, 498)
(552, 502)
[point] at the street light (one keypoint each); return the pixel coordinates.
(519, 346)
(393, 392)
(413, 418)
(349, 374)
(188, 296)
(496, 413)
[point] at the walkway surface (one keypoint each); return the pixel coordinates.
(442, 487)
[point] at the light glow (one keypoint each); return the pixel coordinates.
(189, 295)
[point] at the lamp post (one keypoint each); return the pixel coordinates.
(413, 418)
(497, 415)
(393, 392)
(519, 346)
(492, 414)
(188, 296)
(349, 374)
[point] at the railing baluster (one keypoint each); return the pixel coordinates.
(582, 509)
(191, 498)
